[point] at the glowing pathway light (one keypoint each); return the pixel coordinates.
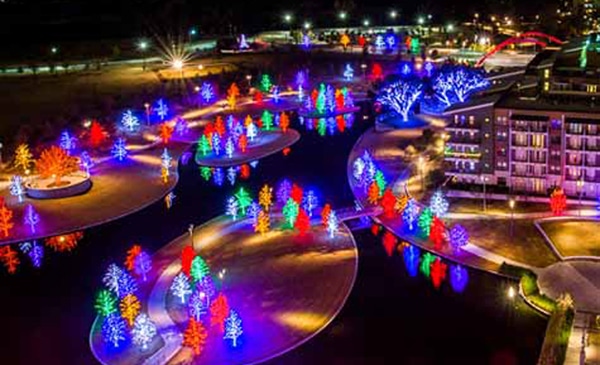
(31, 218)
(401, 96)
(119, 150)
(233, 328)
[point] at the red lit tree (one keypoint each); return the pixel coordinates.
(389, 243)
(377, 72)
(243, 143)
(195, 336)
(314, 95)
(340, 123)
(437, 232)
(284, 122)
(220, 126)
(6, 216)
(286, 151)
(131, 255)
(56, 162)
(438, 272)
(187, 256)
(209, 130)
(97, 135)
(375, 228)
(245, 171)
(297, 193)
(258, 97)
(165, 132)
(373, 193)
(361, 40)
(219, 310)
(339, 100)
(558, 201)
(325, 212)
(9, 258)
(302, 222)
(388, 203)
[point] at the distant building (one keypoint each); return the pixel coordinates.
(542, 132)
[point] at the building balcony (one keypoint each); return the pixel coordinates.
(528, 174)
(463, 141)
(463, 127)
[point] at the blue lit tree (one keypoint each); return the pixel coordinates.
(410, 213)
(311, 201)
(67, 142)
(165, 159)
(207, 92)
(207, 286)
(119, 149)
(459, 278)
(438, 204)
(36, 254)
(16, 187)
(127, 285)
(231, 174)
(216, 144)
(218, 176)
(181, 127)
(161, 109)
(401, 96)
(348, 72)
(233, 327)
(129, 121)
(253, 211)
(229, 147)
(181, 286)
(142, 264)
(456, 83)
(232, 208)
(86, 162)
(143, 331)
(31, 218)
(113, 329)
(358, 169)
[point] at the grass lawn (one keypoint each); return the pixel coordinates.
(526, 245)
(574, 237)
(494, 206)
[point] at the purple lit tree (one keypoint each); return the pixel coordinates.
(458, 237)
(31, 218)
(111, 278)
(198, 304)
(283, 191)
(142, 264)
(401, 96)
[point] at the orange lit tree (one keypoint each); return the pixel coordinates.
(232, 93)
(558, 201)
(6, 216)
(194, 336)
(10, 259)
(130, 308)
(165, 132)
(56, 163)
(65, 242)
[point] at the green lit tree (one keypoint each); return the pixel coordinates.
(425, 221)
(267, 119)
(106, 303)
(203, 145)
(199, 269)
(244, 200)
(290, 211)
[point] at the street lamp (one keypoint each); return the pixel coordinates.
(363, 67)
(420, 20)
(147, 107)
(287, 18)
(422, 172)
(580, 184)
(193, 32)
(511, 293)
(342, 15)
(484, 180)
(366, 22)
(307, 25)
(393, 14)
(191, 233)
(511, 204)
(450, 27)
(54, 50)
(143, 46)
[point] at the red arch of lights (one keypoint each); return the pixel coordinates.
(525, 38)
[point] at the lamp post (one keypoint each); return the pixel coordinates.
(511, 204)
(363, 67)
(342, 15)
(147, 107)
(143, 46)
(484, 180)
(422, 171)
(580, 185)
(191, 232)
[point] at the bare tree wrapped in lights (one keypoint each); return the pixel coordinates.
(401, 96)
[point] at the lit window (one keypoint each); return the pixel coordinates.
(546, 86)
(546, 73)
(592, 88)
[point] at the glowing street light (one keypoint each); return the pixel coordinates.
(177, 64)
(54, 50)
(307, 25)
(342, 15)
(420, 20)
(511, 293)
(366, 22)
(193, 32)
(142, 45)
(393, 14)
(287, 18)
(450, 27)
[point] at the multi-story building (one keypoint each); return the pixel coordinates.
(541, 133)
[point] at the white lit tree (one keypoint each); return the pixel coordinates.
(16, 187)
(143, 331)
(233, 327)
(181, 286)
(401, 96)
(438, 204)
(130, 121)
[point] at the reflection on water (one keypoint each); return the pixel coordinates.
(328, 126)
